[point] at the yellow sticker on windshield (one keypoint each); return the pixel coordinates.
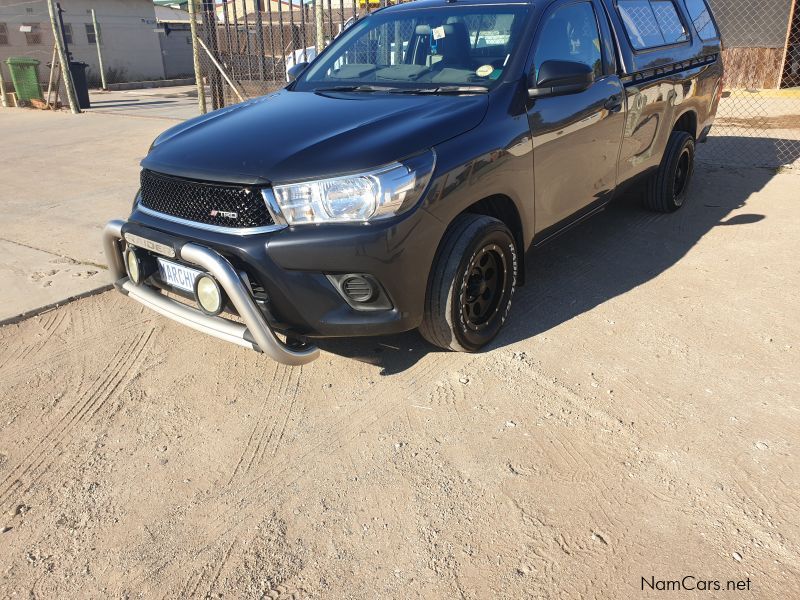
(484, 70)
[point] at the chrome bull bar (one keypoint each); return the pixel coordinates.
(255, 333)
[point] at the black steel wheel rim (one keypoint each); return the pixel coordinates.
(681, 175)
(485, 286)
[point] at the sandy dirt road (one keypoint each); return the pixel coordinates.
(638, 417)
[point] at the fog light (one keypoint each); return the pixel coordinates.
(134, 267)
(358, 288)
(209, 295)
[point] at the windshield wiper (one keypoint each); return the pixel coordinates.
(445, 89)
(355, 88)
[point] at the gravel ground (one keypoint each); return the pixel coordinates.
(636, 419)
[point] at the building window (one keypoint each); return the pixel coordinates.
(651, 23)
(68, 33)
(33, 34)
(3, 34)
(90, 37)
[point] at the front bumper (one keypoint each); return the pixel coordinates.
(255, 331)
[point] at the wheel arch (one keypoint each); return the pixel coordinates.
(688, 122)
(503, 208)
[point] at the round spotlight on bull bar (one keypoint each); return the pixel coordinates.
(134, 266)
(208, 294)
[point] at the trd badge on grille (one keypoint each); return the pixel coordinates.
(224, 213)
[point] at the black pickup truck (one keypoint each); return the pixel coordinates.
(399, 179)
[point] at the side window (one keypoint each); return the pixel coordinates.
(651, 23)
(668, 21)
(701, 19)
(570, 33)
(90, 37)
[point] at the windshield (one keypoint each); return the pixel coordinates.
(424, 49)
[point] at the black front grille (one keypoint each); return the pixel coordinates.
(217, 204)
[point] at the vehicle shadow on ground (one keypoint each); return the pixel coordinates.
(748, 150)
(608, 255)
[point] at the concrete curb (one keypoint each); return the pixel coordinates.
(789, 93)
(28, 314)
(141, 85)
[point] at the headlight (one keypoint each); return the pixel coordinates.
(362, 197)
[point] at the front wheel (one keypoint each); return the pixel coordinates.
(471, 284)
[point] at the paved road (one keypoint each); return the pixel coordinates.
(163, 103)
(61, 178)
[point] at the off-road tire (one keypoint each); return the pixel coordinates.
(666, 188)
(472, 246)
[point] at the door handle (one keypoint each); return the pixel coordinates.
(614, 103)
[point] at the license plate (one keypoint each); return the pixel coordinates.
(177, 275)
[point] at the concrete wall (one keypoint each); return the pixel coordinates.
(130, 45)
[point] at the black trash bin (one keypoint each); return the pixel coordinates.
(78, 71)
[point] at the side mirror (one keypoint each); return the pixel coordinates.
(295, 71)
(559, 77)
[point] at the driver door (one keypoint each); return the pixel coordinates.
(576, 136)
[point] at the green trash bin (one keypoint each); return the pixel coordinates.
(25, 75)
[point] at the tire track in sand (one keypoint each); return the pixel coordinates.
(37, 461)
(273, 417)
(251, 492)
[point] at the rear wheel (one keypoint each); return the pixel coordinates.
(666, 189)
(471, 284)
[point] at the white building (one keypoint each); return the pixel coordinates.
(129, 36)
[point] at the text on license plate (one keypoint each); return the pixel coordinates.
(177, 275)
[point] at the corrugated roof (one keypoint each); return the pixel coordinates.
(166, 14)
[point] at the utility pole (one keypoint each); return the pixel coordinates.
(198, 75)
(99, 53)
(210, 36)
(62, 57)
(319, 27)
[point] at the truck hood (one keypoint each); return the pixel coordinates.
(291, 135)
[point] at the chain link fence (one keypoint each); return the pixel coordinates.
(758, 121)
